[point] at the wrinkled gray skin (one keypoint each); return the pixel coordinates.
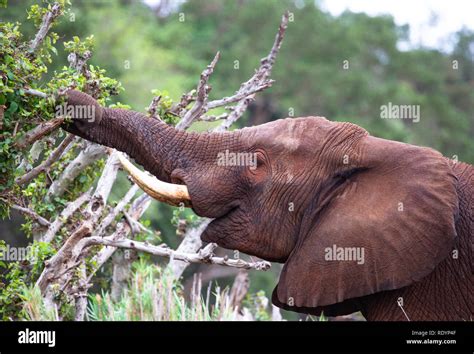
(320, 185)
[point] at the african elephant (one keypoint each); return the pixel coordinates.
(318, 194)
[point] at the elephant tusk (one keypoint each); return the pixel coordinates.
(173, 194)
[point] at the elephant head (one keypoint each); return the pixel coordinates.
(302, 192)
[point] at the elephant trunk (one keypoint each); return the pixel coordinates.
(158, 147)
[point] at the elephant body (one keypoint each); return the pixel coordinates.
(315, 186)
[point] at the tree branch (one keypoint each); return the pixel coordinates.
(203, 90)
(48, 19)
(28, 212)
(139, 206)
(45, 165)
(64, 216)
(34, 92)
(117, 210)
(180, 109)
(86, 157)
(206, 256)
(38, 132)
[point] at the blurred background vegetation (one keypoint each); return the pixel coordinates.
(167, 47)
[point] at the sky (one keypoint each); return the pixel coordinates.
(431, 21)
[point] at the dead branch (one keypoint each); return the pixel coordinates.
(191, 243)
(48, 20)
(180, 108)
(104, 186)
(164, 251)
(85, 158)
(28, 212)
(212, 118)
(45, 165)
(66, 213)
(38, 132)
(242, 93)
(117, 210)
(239, 289)
(139, 206)
(57, 268)
(34, 92)
(77, 61)
(80, 293)
(202, 92)
(153, 108)
(58, 271)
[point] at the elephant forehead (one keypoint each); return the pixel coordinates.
(289, 144)
(289, 134)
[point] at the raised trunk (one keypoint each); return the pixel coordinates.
(158, 147)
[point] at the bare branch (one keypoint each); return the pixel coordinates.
(165, 251)
(117, 210)
(191, 243)
(180, 109)
(104, 186)
(34, 92)
(203, 90)
(86, 157)
(45, 165)
(32, 214)
(211, 118)
(139, 206)
(80, 293)
(239, 289)
(64, 216)
(57, 269)
(153, 108)
(77, 61)
(48, 19)
(38, 132)
(242, 93)
(238, 111)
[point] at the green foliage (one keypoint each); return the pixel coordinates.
(164, 105)
(184, 214)
(21, 70)
(78, 46)
(19, 274)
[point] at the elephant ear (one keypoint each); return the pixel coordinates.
(388, 225)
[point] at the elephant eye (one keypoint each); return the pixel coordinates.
(259, 168)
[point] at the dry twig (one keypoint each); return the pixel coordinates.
(164, 251)
(45, 165)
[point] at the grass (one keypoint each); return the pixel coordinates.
(155, 296)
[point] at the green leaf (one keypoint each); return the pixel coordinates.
(13, 107)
